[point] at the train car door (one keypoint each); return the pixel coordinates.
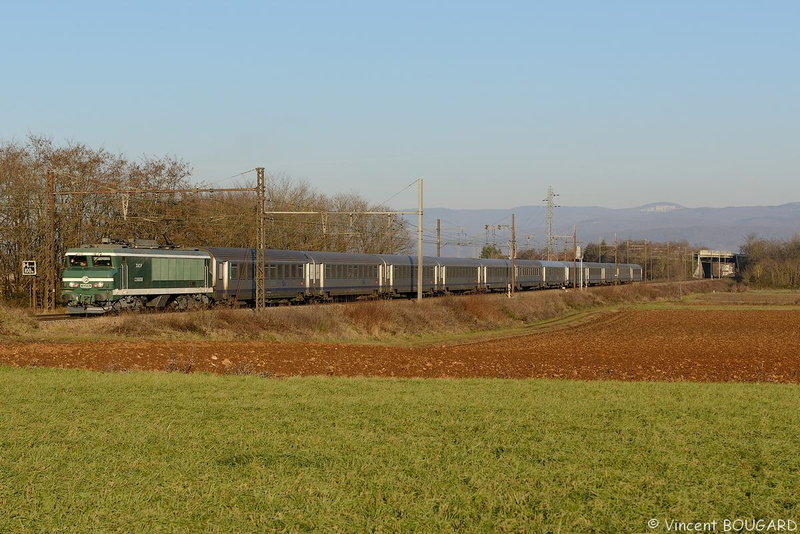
(308, 279)
(383, 277)
(319, 277)
(389, 272)
(123, 274)
(222, 275)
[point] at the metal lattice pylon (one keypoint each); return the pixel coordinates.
(261, 241)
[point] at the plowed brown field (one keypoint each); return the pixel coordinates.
(691, 345)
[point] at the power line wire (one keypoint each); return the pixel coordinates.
(386, 202)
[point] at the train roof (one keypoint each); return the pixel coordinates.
(398, 259)
(344, 257)
(121, 250)
(546, 263)
(298, 256)
(249, 254)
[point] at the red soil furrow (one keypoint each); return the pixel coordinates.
(665, 345)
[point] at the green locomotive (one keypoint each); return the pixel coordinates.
(103, 278)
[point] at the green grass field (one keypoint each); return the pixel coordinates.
(155, 452)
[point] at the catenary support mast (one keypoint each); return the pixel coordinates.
(419, 241)
(261, 240)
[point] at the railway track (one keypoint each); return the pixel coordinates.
(56, 317)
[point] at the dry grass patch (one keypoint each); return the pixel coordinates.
(398, 320)
(14, 322)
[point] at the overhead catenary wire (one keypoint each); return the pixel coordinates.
(232, 177)
(386, 202)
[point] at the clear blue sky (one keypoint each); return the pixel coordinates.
(613, 103)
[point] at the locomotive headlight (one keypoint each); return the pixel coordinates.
(99, 284)
(73, 284)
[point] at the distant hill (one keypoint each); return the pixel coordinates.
(713, 228)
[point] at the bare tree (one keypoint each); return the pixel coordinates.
(223, 219)
(772, 263)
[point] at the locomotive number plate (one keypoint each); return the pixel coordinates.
(86, 286)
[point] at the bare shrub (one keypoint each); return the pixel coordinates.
(423, 318)
(481, 310)
(542, 305)
(371, 317)
(129, 324)
(241, 323)
(456, 306)
(193, 323)
(16, 322)
(196, 322)
(577, 300)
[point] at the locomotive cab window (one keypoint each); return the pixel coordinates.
(78, 261)
(101, 261)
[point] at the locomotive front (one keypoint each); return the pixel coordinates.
(88, 281)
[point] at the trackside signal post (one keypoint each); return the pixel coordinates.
(29, 269)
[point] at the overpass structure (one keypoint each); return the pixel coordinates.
(716, 264)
